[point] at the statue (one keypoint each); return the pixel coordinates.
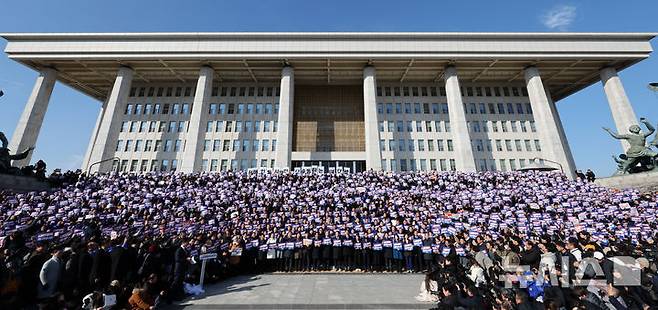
(638, 152)
(6, 158)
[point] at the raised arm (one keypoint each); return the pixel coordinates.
(3, 139)
(21, 155)
(649, 127)
(614, 135)
(617, 160)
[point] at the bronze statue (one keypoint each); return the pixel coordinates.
(638, 152)
(6, 158)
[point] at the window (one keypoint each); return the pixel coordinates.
(226, 145)
(167, 147)
(381, 126)
(453, 165)
(417, 108)
(537, 146)
(245, 145)
(265, 146)
(209, 126)
(401, 145)
(148, 146)
(177, 145)
(528, 147)
(503, 165)
(382, 145)
(389, 108)
(133, 126)
(423, 165)
(450, 147)
(517, 145)
(138, 109)
(165, 165)
(219, 126)
(158, 145)
(186, 108)
(129, 109)
(499, 146)
(421, 145)
(399, 126)
(439, 145)
(512, 164)
(128, 146)
(398, 108)
(407, 108)
(519, 108)
(212, 109)
(508, 145)
(380, 108)
(501, 108)
(206, 145)
(533, 128)
(172, 127)
(156, 108)
(433, 164)
(410, 145)
(119, 146)
(138, 145)
(175, 110)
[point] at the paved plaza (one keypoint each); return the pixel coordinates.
(312, 291)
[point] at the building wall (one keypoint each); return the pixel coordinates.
(415, 131)
(241, 121)
(240, 127)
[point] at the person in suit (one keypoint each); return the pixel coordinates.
(181, 264)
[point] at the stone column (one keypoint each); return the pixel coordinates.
(29, 125)
(94, 134)
(554, 146)
(460, 137)
(283, 152)
(108, 132)
(373, 153)
(194, 148)
(620, 106)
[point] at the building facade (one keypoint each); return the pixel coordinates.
(383, 101)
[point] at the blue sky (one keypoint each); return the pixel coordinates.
(71, 115)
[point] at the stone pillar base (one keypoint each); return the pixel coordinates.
(644, 182)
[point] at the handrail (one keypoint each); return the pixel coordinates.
(100, 162)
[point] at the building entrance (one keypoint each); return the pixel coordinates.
(329, 165)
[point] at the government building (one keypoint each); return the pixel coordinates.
(195, 102)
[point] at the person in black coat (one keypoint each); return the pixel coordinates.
(99, 273)
(181, 265)
(117, 261)
(531, 255)
(30, 273)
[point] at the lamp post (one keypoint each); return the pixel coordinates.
(550, 161)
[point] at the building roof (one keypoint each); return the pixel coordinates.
(568, 62)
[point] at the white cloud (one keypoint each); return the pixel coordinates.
(559, 17)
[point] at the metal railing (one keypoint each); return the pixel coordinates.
(102, 161)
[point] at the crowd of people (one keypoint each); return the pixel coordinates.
(134, 241)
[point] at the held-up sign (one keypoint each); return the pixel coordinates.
(208, 256)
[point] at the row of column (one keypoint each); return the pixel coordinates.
(101, 146)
